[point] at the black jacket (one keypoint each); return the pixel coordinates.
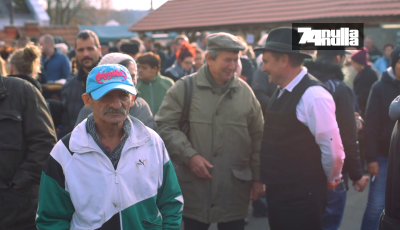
(34, 82)
(362, 86)
(247, 69)
(331, 75)
(71, 99)
(378, 125)
(27, 137)
(262, 89)
(391, 217)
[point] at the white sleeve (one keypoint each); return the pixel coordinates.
(316, 110)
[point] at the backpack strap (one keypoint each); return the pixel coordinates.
(187, 101)
(65, 141)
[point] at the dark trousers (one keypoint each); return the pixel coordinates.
(191, 224)
(18, 209)
(296, 206)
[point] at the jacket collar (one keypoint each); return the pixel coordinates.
(81, 141)
(31, 80)
(202, 80)
(156, 79)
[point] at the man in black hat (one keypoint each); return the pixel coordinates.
(302, 152)
(328, 69)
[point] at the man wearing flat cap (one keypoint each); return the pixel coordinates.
(218, 166)
(302, 152)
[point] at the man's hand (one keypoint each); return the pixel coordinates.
(332, 185)
(198, 165)
(257, 190)
(362, 183)
(373, 168)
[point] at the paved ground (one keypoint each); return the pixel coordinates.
(353, 213)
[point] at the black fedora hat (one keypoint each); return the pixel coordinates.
(282, 40)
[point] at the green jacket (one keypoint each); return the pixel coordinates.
(226, 129)
(154, 92)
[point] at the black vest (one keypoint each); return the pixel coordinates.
(289, 153)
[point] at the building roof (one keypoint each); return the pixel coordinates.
(197, 14)
(25, 11)
(110, 33)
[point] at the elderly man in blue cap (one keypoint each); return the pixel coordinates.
(111, 172)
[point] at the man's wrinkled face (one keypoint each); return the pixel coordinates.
(272, 67)
(87, 53)
(112, 108)
(224, 66)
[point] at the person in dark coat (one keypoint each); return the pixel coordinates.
(175, 46)
(328, 69)
(365, 78)
(88, 53)
(183, 65)
(390, 218)
(378, 131)
(262, 88)
(373, 52)
(27, 136)
(302, 153)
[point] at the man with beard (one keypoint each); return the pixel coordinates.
(302, 152)
(88, 53)
(328, 69)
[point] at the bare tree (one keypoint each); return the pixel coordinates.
(67, 12)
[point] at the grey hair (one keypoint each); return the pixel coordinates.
(213, 53)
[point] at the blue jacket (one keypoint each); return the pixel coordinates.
(56, 67)
(382, 64)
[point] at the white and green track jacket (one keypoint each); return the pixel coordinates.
(80, 189)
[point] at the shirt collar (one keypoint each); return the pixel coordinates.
(296, 80)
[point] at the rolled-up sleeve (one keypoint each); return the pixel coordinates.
(316, 110)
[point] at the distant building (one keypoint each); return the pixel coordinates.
(25, 11)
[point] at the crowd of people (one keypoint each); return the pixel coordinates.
(133, 136)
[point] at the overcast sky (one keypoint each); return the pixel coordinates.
(136, 4)
(128, 4)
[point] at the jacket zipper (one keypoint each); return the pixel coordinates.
(119, 199)
(212, 133)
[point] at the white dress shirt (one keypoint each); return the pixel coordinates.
(316, 110)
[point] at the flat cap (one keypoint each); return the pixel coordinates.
(224, 41)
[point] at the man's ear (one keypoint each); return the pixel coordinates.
(132, 102)
(87, 99)
(284, 60)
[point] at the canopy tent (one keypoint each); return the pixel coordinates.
(110, 33)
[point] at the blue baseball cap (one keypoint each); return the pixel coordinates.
(104, 78)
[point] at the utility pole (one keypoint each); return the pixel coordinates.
(151, 5)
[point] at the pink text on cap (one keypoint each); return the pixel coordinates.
(110, 76)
